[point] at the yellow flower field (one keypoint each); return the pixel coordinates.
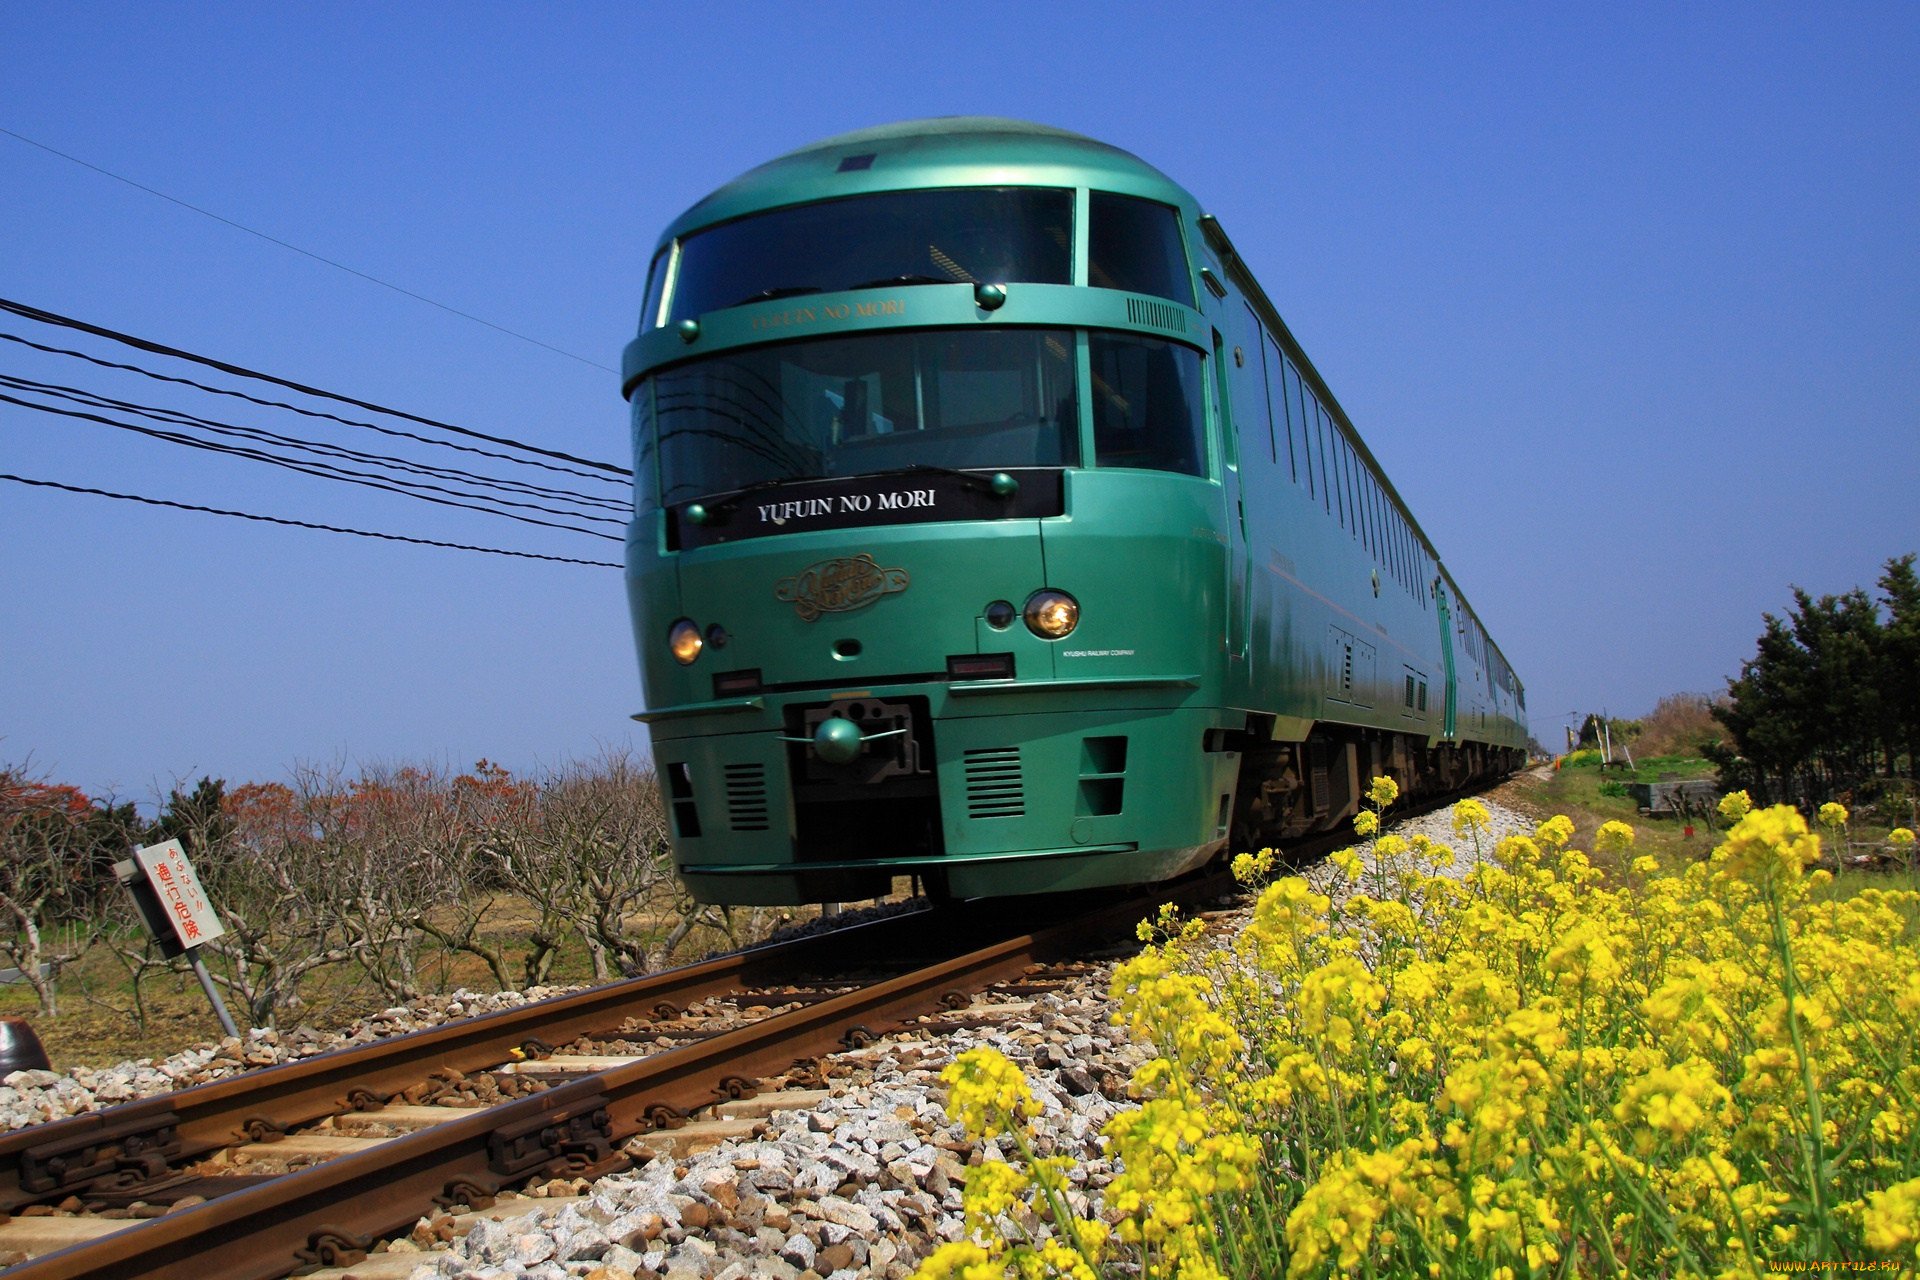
(1534, 1069)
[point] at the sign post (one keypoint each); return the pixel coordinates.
(176, 911)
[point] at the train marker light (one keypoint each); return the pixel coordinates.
(1000, 614)
(990, 297)
(717, 636)
(980, 666)
(684, 639)
(1052, 615)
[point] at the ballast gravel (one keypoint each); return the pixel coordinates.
(864, 1183)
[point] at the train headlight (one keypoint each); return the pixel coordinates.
(1052, 615)
(684, 639)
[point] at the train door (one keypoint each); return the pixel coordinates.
(1449, 705)
(1238, 584)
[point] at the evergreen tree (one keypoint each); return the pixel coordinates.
(1899, 674)
(197, 819)
(1832, 693)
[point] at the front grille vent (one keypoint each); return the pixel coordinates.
(747, 797)
(1161, 315)
(994, 789)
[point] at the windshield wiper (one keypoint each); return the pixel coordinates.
(982, 483)
(887, 281)
(784, 291)
(717, 511)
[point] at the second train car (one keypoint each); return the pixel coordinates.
(991, 527)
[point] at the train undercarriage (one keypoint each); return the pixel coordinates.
(1291, 789)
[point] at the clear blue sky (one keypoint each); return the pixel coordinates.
(1625, 298)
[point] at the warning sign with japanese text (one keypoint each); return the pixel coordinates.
(182, 900)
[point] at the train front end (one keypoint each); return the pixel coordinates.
(928, 561)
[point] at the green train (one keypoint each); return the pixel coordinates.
(990, 527)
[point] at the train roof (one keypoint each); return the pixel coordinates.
(945, 151)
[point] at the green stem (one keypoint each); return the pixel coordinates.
(1813, 1147)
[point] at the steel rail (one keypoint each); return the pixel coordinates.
(142, 1140)
(330, 1214)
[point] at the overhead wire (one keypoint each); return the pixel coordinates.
(306, 253)
(156, 348)
(388, 472)
(78, 395)
(303, 524)
(322, 470)
(145, 372)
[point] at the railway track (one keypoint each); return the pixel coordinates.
(308, 1164)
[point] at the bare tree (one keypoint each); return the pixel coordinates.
(474, 910)
(597, 854)
(402, 853)
(272, 872)
(45, 847)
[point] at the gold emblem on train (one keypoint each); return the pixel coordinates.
(840, 585)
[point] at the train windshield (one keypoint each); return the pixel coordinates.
(852, 406)
(965, 235)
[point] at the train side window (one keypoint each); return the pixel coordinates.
(1297, 400)
(1134, 244)
(1370, 506)
(1336, 483)
(1375, 504)
(1344, 459)
(1363, 514)
(650, 317)
(1309, 439)
(1147, 404)
(1251, 408)
(646, 475)
(1329, 470)
(1357, 481)
(1282, 389)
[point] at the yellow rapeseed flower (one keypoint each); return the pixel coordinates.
(1892, 1219)
(1582, 959)
(1735, 805)
(1383, 792)
(959, 1260)
(1545, 1061)
(987, 1094)
(1770, 846)
(1249, 867)
(1833, 815)
(1469, 816)
(1366, 822)
(1555, 832)
(993, 1187)
(1613, 837)
(1675, 1100)
(1900, 836)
